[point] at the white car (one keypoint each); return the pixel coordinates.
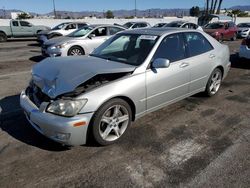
(184, 24)
(136, 25)
(59, 30)
(245, 48)
(81, 42)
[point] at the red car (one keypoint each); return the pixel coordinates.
(222, 30)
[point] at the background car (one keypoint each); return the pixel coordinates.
(59, 30)
(222, 30)
(244, 51)
(136, 25)
(183, 24)
(20, 29)
(159, 25)
(80, 42)
(133, 73)
(243, 30)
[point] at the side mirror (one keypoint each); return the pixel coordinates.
(91, 36)
(161, 63)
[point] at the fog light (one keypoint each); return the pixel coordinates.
(62, 136)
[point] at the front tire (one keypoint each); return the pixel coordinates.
(3, 37)
(111, 121)
(76, 51)
(214, 83)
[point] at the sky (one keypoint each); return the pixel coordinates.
(45, 6)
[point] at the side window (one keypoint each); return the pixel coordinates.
(136, 26)
(143, 25)
(186, 26)
(114, 30)
(70, 26)
(15, 23)
(81, 25)
(193, 26)
(197, 44)
(25, 24)
(101, 31)
(171, 48)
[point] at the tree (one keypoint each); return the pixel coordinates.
(109, 14)
(23, 15)
(194, 11)
(219, 7)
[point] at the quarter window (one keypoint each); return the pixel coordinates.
(197, 44)
(25, 24)
(171, 48)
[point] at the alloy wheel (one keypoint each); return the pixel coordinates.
(215, 82)
(114, 123)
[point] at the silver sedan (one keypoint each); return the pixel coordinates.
(133, 73)
(80, 42)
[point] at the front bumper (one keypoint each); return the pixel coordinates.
(48, 52)
(58, 128)
(244, 52)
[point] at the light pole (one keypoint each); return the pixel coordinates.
(135, 9)
(54, 6)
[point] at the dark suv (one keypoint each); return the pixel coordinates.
(222, 30)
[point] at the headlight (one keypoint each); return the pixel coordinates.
(246, 30)
(67, 108)
(59, 46)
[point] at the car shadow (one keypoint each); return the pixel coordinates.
(37, 58)
(239, 63)
(13, 122)
(34, 45)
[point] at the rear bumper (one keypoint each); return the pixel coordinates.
(58, 128)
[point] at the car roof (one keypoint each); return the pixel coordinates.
(156, 31)
(105, 25)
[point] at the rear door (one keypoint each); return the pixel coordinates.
(201, 57)
(166, 85)
(26, 29)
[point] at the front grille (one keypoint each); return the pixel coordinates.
(36, 95)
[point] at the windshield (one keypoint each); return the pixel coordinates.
(127, 25)
(127, 48)
(244, 25)
(60, 26)
(174, 24)
(81, 32)
(214, 26)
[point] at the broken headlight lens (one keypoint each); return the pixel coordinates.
(67, 108)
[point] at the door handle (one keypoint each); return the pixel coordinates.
(183, 65)
(211, 56)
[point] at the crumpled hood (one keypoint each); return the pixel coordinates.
(210, 31)
(56, 76)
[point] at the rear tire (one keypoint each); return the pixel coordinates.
(214, 83)
(111, 121)
(3, 37)
(76, 51)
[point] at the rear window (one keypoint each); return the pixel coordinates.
(197, 44)
(214, 26)
(15, 23)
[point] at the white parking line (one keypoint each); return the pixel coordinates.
(15, 74)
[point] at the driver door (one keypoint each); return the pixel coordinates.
(97, 37)
(167, 85)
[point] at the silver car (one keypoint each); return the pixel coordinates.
(133, 73)
(243, 30)
(80, 42)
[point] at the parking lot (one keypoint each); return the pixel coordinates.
(197, 142)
